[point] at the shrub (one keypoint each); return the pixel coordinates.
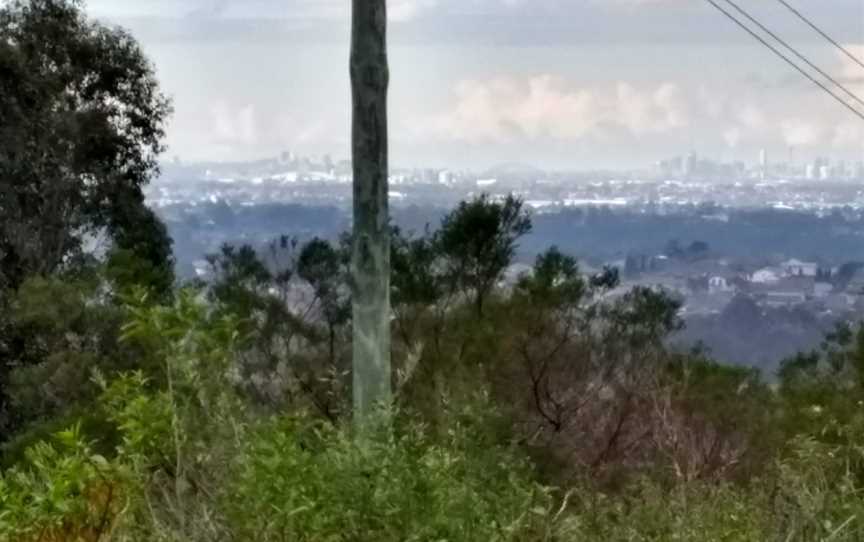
(298, 480)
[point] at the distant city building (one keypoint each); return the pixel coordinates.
(287, 157)
(810, 172)
(445, 177)
(688, 166)
(824, 173)
(766, 275)
(856, 284)
(822, 289)
(763, 164)
(797, 268)
(485, 183)
(784, 298)
(719, 285)
(428, 176)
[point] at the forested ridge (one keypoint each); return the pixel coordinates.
(136, 407)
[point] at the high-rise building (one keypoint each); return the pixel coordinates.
(287, 157)
(824, 173)
(810, 172)
(689, 165)
(840, 170)
(763, 164)
(858, 171)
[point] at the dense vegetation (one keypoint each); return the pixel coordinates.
(135, 408)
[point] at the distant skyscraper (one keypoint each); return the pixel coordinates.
(689, 165)
(327, 162)
(825, 172)
(763, 164)
(810, 172)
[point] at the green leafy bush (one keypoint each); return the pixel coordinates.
(303, 481)
(63, 491)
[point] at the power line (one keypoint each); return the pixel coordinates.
(787, 59)
(821, 32)
(794, 51)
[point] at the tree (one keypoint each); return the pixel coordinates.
(478, 241)
(371, 240)
(414, 265)
(321, 265)
(290, 352)
(81, 124)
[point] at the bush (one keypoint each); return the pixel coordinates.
(62, 491)
(297, 481)
(191, 465)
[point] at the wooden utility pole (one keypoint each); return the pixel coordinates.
(370, 262)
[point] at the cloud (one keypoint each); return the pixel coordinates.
(848, 135)
(245, 131)
(851, 70)
(209, 9)
(403, 10)
(233, 128)
(751, 117)
(732, 136)
(506, 109)
(800, 132)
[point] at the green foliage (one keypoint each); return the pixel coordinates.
(824, 390)
(554, 381)
(191, 466)
(81, 124)
(61, 329)
(62, 491)
(293, 310)
(298, 482)
(413, 262)
(644, 444)
(478, 240)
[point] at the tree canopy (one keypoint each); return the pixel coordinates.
(81, 127)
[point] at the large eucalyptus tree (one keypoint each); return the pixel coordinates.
(371, 240)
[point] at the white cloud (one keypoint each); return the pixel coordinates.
(243, 131)
(402, 10)
(849, 68)
(800, 133)
(848, 135)
(732, 136)
(751, 117)
(505, 109)
(233, 127)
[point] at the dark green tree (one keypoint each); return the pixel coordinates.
(414, 264)
(81, 125)
(478, 241)
(323, 267)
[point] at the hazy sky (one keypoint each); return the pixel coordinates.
(555, 83)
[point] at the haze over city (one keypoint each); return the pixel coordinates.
(553, 83)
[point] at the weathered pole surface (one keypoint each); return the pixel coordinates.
(370, 262)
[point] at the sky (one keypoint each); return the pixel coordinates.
(578, 84)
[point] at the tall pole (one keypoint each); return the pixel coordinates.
(370, 261)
